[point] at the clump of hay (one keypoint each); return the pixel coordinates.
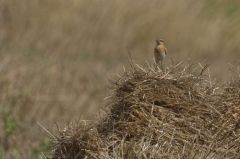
(76, 140)
(232, 93)
(230, 98)
(155, 114)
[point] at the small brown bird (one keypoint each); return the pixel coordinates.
(160, 52)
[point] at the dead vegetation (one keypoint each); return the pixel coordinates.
(155, 114)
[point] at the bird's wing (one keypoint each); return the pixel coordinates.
(156, 50)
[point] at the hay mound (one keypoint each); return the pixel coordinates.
(160, 115)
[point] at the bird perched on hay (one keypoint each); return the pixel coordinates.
(160, 52)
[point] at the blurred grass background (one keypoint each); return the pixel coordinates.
(57, 56)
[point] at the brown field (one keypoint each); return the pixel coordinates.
(57, 56)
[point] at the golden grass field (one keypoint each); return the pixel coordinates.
(57, 57)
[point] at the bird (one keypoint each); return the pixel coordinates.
(160, 52)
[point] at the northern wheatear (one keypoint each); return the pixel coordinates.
(160, 52)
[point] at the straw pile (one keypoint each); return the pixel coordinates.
(155, 114)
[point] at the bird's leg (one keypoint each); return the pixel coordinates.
(161, 65)
(156, 66)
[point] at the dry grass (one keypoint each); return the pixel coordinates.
(160, 115)
(57, 56)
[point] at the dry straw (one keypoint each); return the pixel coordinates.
(179, 113)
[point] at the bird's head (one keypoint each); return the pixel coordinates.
(160, 41)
